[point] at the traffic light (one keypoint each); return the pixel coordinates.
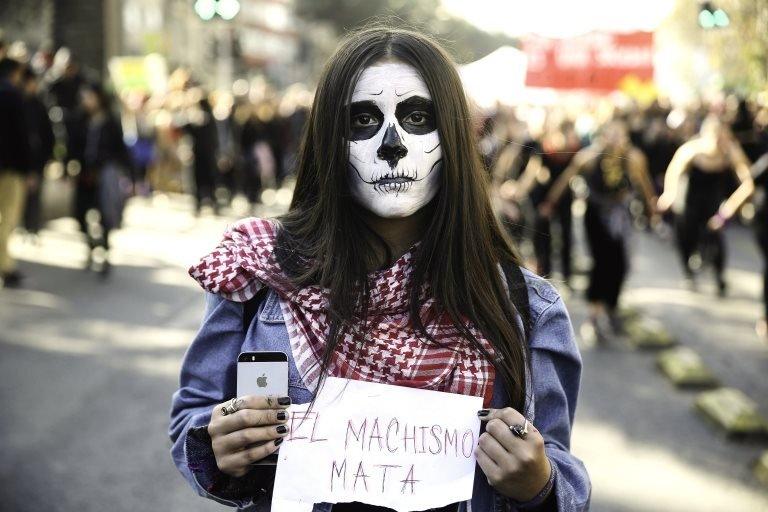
(712, 17)
(208, 9)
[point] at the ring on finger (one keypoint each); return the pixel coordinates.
(520, 431)
(230, 408)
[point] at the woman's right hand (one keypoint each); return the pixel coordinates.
(248, 435)
(664, 203)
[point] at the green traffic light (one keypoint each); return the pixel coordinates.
(228, 9)
(720, 18)
(707, 19)
(206, 9)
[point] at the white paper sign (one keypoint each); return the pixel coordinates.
(402, 448)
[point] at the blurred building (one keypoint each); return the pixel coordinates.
(264, 38)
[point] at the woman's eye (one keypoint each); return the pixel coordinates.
(364, 120)
(416, 118)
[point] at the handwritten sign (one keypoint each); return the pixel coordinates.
(402, 448)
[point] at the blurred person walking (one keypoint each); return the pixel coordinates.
(612, 168)
(708, 162)
(201, 127)
(100, 185)
(659, 144)
(15, 159)
(729, 208)
(259, 165)
(67, 81)
(552, 156)
(512, 156)
(41, 141)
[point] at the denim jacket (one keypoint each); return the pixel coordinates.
(208, 377)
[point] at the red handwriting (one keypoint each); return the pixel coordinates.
(451, 440)
(389, 428)
(366, 435)
(408, 480)
(361, 476)
(340, 472)
(467, 448)
(436, 437)
(303, 425)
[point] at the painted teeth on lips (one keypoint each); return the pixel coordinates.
(393, 179)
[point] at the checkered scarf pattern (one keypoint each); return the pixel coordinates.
(386, 349)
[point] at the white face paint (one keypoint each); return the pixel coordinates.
(395, 157)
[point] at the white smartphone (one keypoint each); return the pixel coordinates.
(262, 374)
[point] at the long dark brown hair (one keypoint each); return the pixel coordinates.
(325, 240)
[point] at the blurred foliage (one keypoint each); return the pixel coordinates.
(740, 51)
(465, 41)
(749, 22)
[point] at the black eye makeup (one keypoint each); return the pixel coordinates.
(416, 115)
(365, 119)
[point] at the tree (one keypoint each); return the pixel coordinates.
(739, 52)
(465, 41)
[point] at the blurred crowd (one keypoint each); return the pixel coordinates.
(682, 171)
(108, 145)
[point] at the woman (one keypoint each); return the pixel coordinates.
(99, 186)
(729, 208)
(517, 147)
(390, 223)
(201, 127)
(708, 161)
(553, 155)
(612, 168)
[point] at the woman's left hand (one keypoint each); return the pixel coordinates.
(517, 468)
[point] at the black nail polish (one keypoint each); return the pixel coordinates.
(278, 441)
(483, 412)
(284, 400)
(282, 429)
(282, 416)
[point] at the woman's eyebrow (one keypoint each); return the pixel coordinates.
(416, 101)
(363, 105)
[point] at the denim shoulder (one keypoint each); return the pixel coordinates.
(541, 293)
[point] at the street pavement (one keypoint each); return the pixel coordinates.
(89, 365)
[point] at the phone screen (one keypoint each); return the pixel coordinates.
(262, 374)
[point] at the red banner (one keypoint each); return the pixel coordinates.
(598, 61)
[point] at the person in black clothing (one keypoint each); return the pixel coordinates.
(41, 141)
(708, 161)
(516, 147)
(612, 168)
(201, 127)
(548, 161)
(746, 131)
(729, 209)
(105, 161)
(254, 138)
(14, 163)
(65, 94)
(760, 176)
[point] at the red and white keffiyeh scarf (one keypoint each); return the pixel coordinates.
(391, 352)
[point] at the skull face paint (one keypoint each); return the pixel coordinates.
(395, 157)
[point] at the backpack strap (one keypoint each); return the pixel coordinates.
(518, 294)
(251, 307)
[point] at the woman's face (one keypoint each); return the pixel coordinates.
(89, 101)
(394, 148)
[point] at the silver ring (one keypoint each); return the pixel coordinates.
(520, 431)
(230, 408)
